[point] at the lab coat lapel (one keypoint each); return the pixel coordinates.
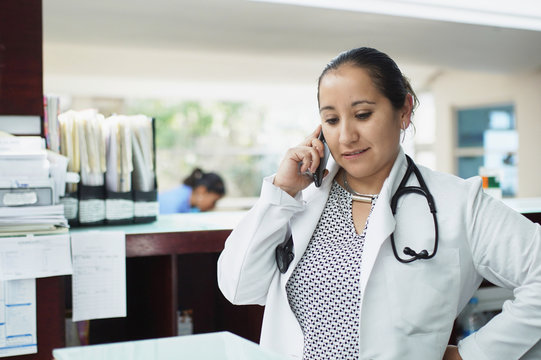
(382, 222)
(303, 228)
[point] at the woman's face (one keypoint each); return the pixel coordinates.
(361, 127)
(203, 199)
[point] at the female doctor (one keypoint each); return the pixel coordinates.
(384, 254)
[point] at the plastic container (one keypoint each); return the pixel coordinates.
(491, 181)
(471, 319)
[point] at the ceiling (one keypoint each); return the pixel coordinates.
(240, 26)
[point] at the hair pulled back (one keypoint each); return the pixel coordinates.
(212, 181)
(383, 71)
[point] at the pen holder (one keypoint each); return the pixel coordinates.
(91, 205)
(146, 206)
(119, 208)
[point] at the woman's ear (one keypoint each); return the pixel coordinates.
(406, 111)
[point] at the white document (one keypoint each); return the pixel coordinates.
(99, 274)
(18, 334)
(143, 152)
(27, 257)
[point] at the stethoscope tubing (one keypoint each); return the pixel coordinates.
(284, 252)
(421, 190)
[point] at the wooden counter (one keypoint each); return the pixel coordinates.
(171, 264)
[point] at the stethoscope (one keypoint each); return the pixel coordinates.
(421, 190)
(284, 252)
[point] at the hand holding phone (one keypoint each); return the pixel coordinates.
(298, 169)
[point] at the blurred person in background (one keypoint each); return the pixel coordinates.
(199, 192)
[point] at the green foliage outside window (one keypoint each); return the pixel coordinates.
(215, 136)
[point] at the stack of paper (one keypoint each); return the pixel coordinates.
(27, 219)
(23, 158)
(82, 141)
(27, 193)
(119, 154)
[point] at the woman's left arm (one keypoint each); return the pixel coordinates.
(506, 250)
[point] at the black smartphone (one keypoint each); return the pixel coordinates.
(318, 174)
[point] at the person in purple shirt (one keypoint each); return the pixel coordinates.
(199, 192)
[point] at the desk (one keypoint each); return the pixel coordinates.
(171, 263)
(214, 346)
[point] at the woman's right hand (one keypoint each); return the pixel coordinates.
(290, 177)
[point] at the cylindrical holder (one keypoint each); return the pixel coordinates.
(91, 205)
(146, 206)
(119, 208)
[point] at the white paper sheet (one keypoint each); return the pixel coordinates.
(27, 257)
(18, 334)
(99, 274)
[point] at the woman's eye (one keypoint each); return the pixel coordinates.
(331, 121)
(363, 116)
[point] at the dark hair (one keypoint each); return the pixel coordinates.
(212, 181)
(383, 71)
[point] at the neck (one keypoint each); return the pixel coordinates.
(353, 185)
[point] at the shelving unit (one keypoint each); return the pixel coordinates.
(21, 94)
(171, 264)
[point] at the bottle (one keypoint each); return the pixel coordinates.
(491, 181)
(185, 323)
(471, 319)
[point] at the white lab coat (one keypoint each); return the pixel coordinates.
(407, 310)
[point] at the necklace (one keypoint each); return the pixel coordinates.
(355, 196)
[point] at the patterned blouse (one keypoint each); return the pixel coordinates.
(324, 288)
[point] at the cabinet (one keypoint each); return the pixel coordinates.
(171, 263)
(21, 93)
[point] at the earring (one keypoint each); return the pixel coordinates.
(403, 131)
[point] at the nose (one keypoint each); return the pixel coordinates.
(348, 133)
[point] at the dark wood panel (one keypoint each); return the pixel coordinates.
(21, 65)
(151, 287)
(176, 243)
(152, 304)
(535, 217)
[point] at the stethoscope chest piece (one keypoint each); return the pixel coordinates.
(284, 255)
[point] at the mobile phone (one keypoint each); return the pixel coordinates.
(318, 174)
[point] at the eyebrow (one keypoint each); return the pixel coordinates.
(355, 103)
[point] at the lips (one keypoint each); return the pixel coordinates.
(354, 153)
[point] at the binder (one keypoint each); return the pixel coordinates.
(119, 200)
(91, 205)
(145, 194)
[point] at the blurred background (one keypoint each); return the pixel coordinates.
(232, 83)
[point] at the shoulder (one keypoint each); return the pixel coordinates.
(440, 182)
(184, 189)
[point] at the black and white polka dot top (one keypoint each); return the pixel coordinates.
(324, 288)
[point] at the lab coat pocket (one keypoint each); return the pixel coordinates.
(424, 293)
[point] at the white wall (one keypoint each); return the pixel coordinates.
(97, 71)
(458, 89)
(180, 73)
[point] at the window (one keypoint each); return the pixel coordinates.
(487, 137)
